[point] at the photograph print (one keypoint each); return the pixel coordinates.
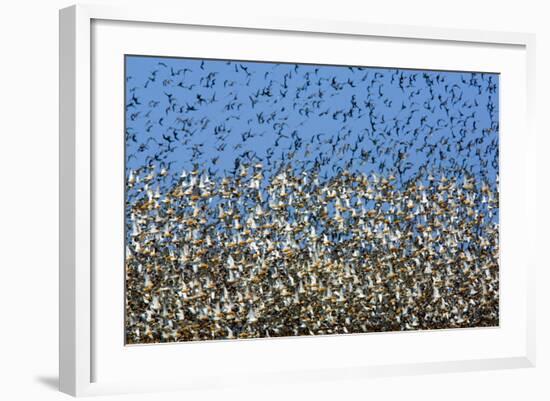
(274, 199)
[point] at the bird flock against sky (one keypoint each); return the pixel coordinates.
(276, 199)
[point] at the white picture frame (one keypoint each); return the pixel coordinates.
(80, 314)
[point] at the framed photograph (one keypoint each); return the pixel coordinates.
(261, 200)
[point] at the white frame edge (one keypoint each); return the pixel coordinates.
(74, 204)
(75, 171)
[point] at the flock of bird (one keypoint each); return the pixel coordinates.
(272, 199)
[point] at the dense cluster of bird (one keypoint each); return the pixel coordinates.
(267, 200)
(353, 254)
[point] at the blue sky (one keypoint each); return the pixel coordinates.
(216, 114)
